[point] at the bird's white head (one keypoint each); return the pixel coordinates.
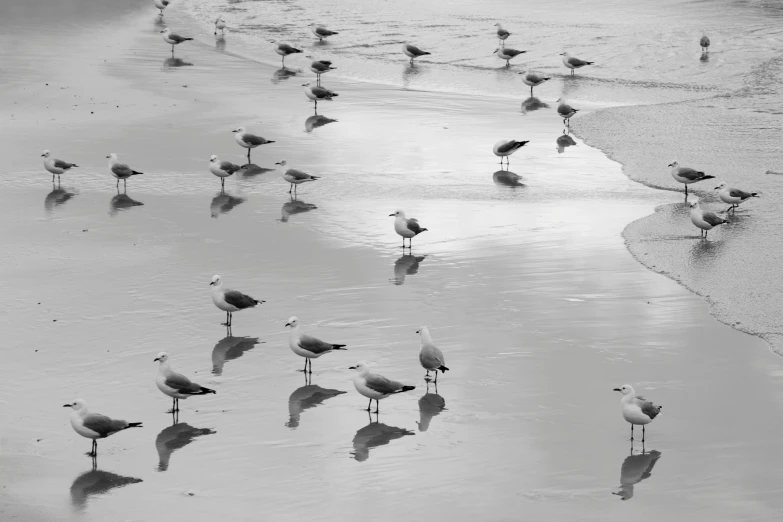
(398, 213)
(215, 281)
(496, 50)
(239, 129)
(293, 322)
(306, 84)
(162, 357)
(674, 164)
(566, 54)
(423, 330)
(694, 203)
(112, 157)
(282, 163)
(361, 368)
(166, 31)
(213, 158)
(45, 154)
(77, 405)
(498, 25)
(625, 389)
(721, 185)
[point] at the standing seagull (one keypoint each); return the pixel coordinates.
(294, 176)
(120, 170)
(374, 386)
(430, 356)
(573, 63)
(705, 43)
(321, 32)
(283, 49)
(319, 67)
(505, 148)
(733, 196)
(174, 384)
(222, 169)
(704, 219)
(307, 346)
(173, 39)
(315, 93)
(502, 34)
(249, 141)
(636, 409)
(220, 24)
(412, 51)
(94, 425)
(409, 228)
(687, 175)
(55, 166)
(533, 80)
(565, 111)
(161, 4)
(230, 301)
(507, 53)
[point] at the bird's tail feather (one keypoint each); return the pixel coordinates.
(755, 195)
(425, 52)
(205, 391)
(338, 347)
(136, 173)
(706, 176)
(405, 388)
(134, 425)
(443, 369)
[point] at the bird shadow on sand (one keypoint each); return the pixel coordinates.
(635, 468)
(307, 397)
(251, 170)
(173, 63)
(406, 265)
(373, 435)
(175, 437)
(230, 348)
(96, 482)
(223, 203)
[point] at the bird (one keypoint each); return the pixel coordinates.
(687, 175)
(173, 39)
(55, 166)
(533, 80)
(94, 425)
(704, 219)
(407, 228)
(283, 49)
(294, 176)
(321, 32)
(220, 24)
(636, 409)
(120, 170)
(733, 196)
(174, 384)
(507, 53)
(573, 63)
(161, 4)
(230, 301)
(249, 141)
(315, 93)
(222, 169)
(307, 346)
(565, 111)
(430, 356)
(374, 386)
(502, 34)
(412, 51)
(505, 148)
(319, 67)
(705, 43)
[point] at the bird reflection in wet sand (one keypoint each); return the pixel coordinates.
(430, 405)
(175, 437)
(284, 73)
(230, 348)
(175, 62)
(705, 57)
(295, 206)
(507, 178)
(407, 265)
(306, 397)
(533, 104)
(220, 43)
(96, 482)
(56, 197)
(122, 201)
(635, 468)
(564, 142)
(223, 203)
(373, 435)
(315, 121)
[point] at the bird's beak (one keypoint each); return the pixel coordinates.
(562, 54)
(66, 405)
(493, 52)
(716, 188)
(350, 368)
(42, 155)
(278, 163)
(107, 157)
(670, 164)
(418, 331)
(617, 389)
(210, 284)
(234, 130)
(390, 215)
(288, 324)
(156, 359)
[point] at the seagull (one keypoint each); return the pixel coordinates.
(55, 166)
(220, 24)
(573, 63)
(161, 4)
(636, 409)
(173, 39)
(705, 43)
(430, 356)
(704, 219)
(687, 175)
(409, 228)
(315, 93)
(249, 141)
(321, 32)
(230, 301)
(120, 170)
(565, 111)
(319, 67)
(502, 34)
(507, 53)
(174, 384)
(294, 176)
(505, 148)
(412, 51)
(374, 386)
(533, 80)
(307, 346)
(733, 196)
(94, 425)
(283, 49)
(222, 169)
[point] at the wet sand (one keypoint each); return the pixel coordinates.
(526, 286)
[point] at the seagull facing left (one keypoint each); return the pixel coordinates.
(294, 176)
(430, 356)
(55, 166)
(222, 169)
(502, 33)
(374, 386)
(174, 384)
(505, 148)
(308, 346)
(637, 410)
(733, 196)
(573, 62)
(121, 171)
(220, 24)
(94, 425)
(704, 219)
(321, 32)
(407, 228)
(173, 39)
(230, 301)
(507, 53)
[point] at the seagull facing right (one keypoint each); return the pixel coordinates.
(533, 80)
(636, 409)
(374, 386)
(321, 32)
(55, 166)
(565, 111)
(94, 425)
(407, 228)
(430, 356)
(704, 219)
(173, 39)
(308, 346)
(502, 34)
(230, 301)
(120, 170)
(174, 384)
(733, 196)
(505, 148)
(705, 43)
(687, 175)
(411, 51)
(222, 169)
(573, 63)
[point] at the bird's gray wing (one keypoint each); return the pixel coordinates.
(122, 170)
(533, 78)
(689, 173)
(737, 193)
(177, 38)
(648, 408)
(288, 49)
(564, 108)
(239, 299)
(298, 174)
(577, 62)
(414, 50)
(712, 218)
(320, 92)
(513, 52)
(102, 424)
(511, 145)
(320, 66)
(503, 32)
(313, 344)
(432, 356)
(704, 41)
(181, 383)
(322, 31)
(381, 384)
(229, 167)
(253, 139)
(60, 164)
(413, 225)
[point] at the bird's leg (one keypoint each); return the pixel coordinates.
(369, 405)
(427, 377)
(686, 191)
(642, 434)
(436, 376)
(631, 432)
(248, 156)
(311, 366)
(377, 406)
(531, 91)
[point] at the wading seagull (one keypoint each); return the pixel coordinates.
(173, 39)
(430, 356)
(502, 34)
(533, 80)
(283, 49)
(222, 169)
(407, 228)
(321, 32)
(687, 175)
(161, 4)
(705, 43)
(374, 386)
(565, 111)
(505, 148)
(120, 170)
(94, 425)
(636, 409)
(507, 53)
(174, 384)
(221, 25)
(704, 219)
(315, 93)
(733, 196)
(249, 141)
(294, 176)
(55, 166)
(307, 346)
(319, 67)
(573, 63)
(230, 301)
(411, 51)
